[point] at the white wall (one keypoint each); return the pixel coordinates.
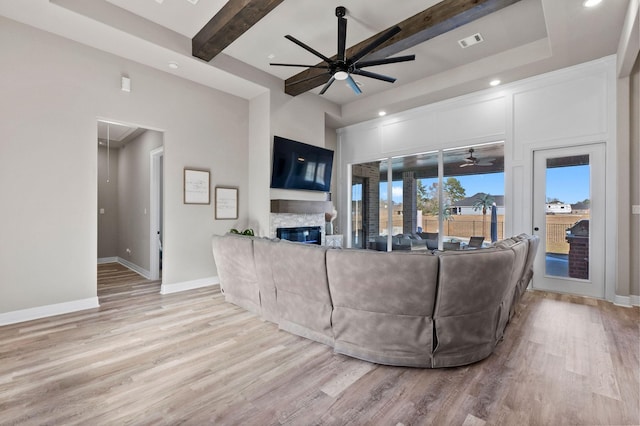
(53, 91)
(259, 166)
(300, 118)
(108, 201)
(134, 203)
(634, 163)
(567, 107)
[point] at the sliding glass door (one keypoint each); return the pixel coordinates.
(358, 213)
(444, 196)
(473, 193)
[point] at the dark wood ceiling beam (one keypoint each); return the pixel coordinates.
(438, 19)
(235, 17)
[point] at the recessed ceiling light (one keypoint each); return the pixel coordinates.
(494, 82)
(173, 65)
(159, 1)
(382, 113)
(271, 56)
(191, 1)
(591, 3)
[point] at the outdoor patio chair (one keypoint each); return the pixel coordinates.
(450, 245)
(476, 242)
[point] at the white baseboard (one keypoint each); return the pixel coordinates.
(635, 300)
(48, 311)
(189, 285)
(624, 301)
(135, 268)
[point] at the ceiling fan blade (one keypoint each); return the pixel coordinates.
(384, 61)
(467, 164)
(374, 44)
(352, 83)
(299, 65)
(374, 75)
(326, 86)
(307, 48)
(342, 38)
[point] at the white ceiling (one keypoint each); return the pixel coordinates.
(517, 25)
(524, 39)
(116, 135)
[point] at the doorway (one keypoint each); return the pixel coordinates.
(569, 218)
(156, 234)
(130, 176)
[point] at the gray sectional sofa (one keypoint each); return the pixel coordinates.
(417, 309)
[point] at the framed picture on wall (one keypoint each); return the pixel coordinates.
(226, 202)
(196, 186)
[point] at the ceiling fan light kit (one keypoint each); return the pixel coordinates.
(343, 68)
(341, 75)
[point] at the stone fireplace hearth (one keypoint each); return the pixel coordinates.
(297, 213)
(294, 220)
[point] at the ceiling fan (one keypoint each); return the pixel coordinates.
(474, 161)
(342, 68)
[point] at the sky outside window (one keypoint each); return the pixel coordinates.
(568, 184)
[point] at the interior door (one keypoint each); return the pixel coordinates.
(569, 218)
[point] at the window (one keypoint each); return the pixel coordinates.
(451, 199)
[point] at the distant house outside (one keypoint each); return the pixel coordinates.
(558, 208)
(465, 206)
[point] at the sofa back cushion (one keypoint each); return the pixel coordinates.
(264, 261)
(233, 255)
(507, 307)
(534, 242)
(471, 285)
(383, 305)
(302, 291)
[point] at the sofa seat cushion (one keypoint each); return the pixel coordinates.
(383, 313)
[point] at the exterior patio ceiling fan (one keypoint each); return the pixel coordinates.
(342, 67)
(474, 161)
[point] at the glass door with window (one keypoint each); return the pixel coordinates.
(568, 216)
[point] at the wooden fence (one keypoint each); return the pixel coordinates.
(465, 226)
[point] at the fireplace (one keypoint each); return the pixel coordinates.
(301, 234)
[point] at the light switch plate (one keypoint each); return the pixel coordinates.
(101, 211)
(635, 209)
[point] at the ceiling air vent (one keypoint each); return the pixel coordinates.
(471, 40)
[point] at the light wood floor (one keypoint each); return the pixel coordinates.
(191, 358)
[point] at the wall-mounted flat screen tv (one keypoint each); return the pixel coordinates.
(297, 165)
